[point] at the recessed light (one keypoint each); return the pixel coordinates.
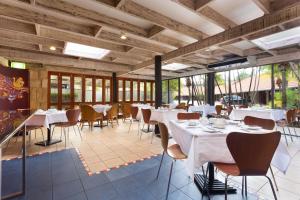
(123, 36)
(174, 66)
(52, 48)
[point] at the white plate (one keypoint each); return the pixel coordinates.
(253, 127)
(180, 121)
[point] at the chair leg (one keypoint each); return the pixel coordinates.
(65, 138)
(139, 126)
(243, 179)
(43, 136)
(52, 132)
(129, 126)
(275, 183)
(170, 176)
(275, 197)
(290, 134)
(287, 144)
(79, 132)
(61, 132)
(246, 190)
(153, 133)
(161, 160)
(226, 179)
(205, 187)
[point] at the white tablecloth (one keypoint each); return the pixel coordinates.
(53, 117)
(165, 116)
(202, 147)
(139, 116)
(204, 109)
(102, 108)
(274, 114)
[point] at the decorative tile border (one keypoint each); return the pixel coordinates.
(112, 168)
(83, 161)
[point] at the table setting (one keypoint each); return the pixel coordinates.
(265, 113)
(100, 108)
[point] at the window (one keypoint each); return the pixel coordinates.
(134, 90)
(78, 89)
(120, 90)
(127, 90)
(186, 90)
(99, 90)
(88, 89)
(142, 91)
(173, 90)
(66, 89)
(199, 92)
(54, 89)
(18, 65)
(148, 90)
(153, 92)
(165, 92)
(107, 90)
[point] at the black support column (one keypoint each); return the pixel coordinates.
(158, 82)
(210, 89)
(115, 87)
(158, 86)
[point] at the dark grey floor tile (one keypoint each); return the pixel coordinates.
(61, 191)
(103, 192)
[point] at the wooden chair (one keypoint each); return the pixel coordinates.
(181, 106)
(218, 109)
(252, 154)
(188, 116)
(268, 124)
(73, 117)
(112, 114)
(126, 110)
(89, 115)
(146, 117)
(34, 123)
(287, 123)
(174, 151)
(134, 112)
(243, 106)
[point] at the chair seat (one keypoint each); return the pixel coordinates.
(64, 124)
(30, 128)
(153, 122)
(230, 169)
(175, 152)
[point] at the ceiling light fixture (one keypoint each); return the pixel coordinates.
(52, 48)
(123, 36)
(174, 66)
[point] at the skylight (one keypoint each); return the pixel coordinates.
(284, 38)
(85, 51)
(174, 66)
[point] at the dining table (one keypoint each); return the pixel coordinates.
(100, 108)
(265, 113)
(203, 143)
(52, 116)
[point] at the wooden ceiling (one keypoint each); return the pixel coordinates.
(192, 32)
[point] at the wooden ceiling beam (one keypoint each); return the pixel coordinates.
(6, 23)
(28, 15)
(45, 58)
(160, 20)
(12, 43)
(254, 26)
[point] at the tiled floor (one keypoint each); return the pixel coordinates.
(62, 175)
(100, 149)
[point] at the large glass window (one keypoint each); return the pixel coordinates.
(142, 91)
(53, 89)
(148, 90)
(199, 92)
(88, 89)
(153, 92)
(134, 90)
(186, 90)
(107, 90)
(77, 89)
(173, 90)
(99, 90)
(165, 92)
(120, 91)
(127, 90)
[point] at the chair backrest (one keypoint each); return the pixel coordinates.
(181, 106)
(218, 109)
(291, 116)
(253, 153)
(113, 111)
(134, 111)
(243, 106)
(229, 110)
(87, 112)
(126, 109)
(36, 120)
(264, 123)
(164, 135)
(146, 115)
(188, 116)
(73, 115)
